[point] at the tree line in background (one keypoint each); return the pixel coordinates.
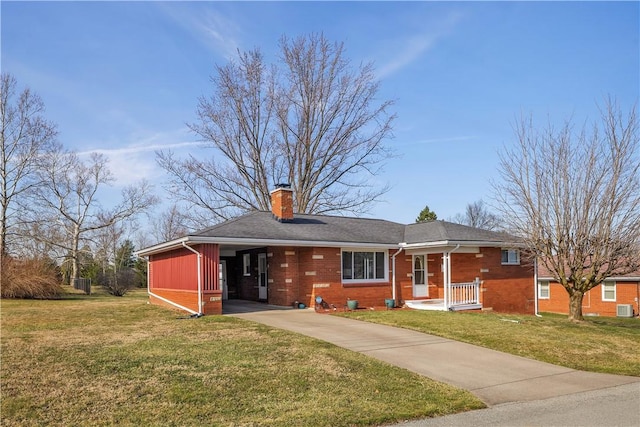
(476, 214)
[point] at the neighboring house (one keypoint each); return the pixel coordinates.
(616, 296)
(281, 258)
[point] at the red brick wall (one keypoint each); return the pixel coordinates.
(282, 203)
(212, 300)
(283, 284)
(303, 273)
(188, 299)
(506, 288)
(592, 304)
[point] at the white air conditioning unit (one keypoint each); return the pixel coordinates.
(624, 310)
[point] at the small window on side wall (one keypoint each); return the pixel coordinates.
(246, 264)
(608, 290)
(510, 257)
(543, 289)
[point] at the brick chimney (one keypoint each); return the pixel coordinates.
(282, 202)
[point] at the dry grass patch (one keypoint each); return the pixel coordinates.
(602, 344)
(104, 360)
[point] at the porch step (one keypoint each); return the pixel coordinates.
(438, 305)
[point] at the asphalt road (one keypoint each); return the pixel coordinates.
(616, 406)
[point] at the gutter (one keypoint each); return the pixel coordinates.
(199, 278)
(470, 243)
(393, 278)
(535, 287)
(174, 244)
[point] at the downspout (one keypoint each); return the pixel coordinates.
(535, 287)
(199, 277)
(188, 310)
(393, 278)
(447, 286)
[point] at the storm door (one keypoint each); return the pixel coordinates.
(420, 287)
(262, 276)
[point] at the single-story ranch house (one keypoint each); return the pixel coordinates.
(282, 258)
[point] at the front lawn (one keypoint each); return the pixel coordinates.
(600, 344)
(102, 360)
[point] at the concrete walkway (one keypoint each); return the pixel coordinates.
(495, 377)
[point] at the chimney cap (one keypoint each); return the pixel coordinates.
(283, 185)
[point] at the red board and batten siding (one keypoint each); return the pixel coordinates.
(174, 275)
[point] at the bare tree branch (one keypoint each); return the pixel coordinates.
(312, 120)
(477, 215)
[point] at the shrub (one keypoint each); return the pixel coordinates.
(30, 278)
(119, 283)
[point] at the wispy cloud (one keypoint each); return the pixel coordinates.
(217, 32)
(139, 148)
(451, 139)
(136, 161)
(412, 48)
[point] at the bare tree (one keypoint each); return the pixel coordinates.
(574, 197)
(477, 215)
(169, 225)
(70, 200)
(312, 120)
(25, 136)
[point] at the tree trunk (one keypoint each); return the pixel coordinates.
(75, 268)
(575, 306)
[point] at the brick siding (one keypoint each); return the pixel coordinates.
(592, 304)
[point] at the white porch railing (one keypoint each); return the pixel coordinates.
(463, 294)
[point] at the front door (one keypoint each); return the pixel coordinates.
(262, 276)
(420, 286)
(223, 279)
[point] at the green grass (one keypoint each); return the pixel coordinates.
(102, 360)
(601, 344)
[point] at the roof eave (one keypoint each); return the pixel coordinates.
(175, 244)
(162, 247)
(463, 243)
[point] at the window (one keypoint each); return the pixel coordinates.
(543, 289)
(608, 290)
(510, 256)
(246, 264)
(364, 266)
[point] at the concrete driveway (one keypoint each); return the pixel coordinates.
(496, 378)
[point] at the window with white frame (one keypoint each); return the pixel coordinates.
(608, 290)
(543, 289)
(246, 264)
(364, 266)
(510, 256)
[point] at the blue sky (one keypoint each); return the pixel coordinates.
(123, 78)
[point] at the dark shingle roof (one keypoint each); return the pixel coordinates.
(323, 228)
(437, 231)
(320, 228)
